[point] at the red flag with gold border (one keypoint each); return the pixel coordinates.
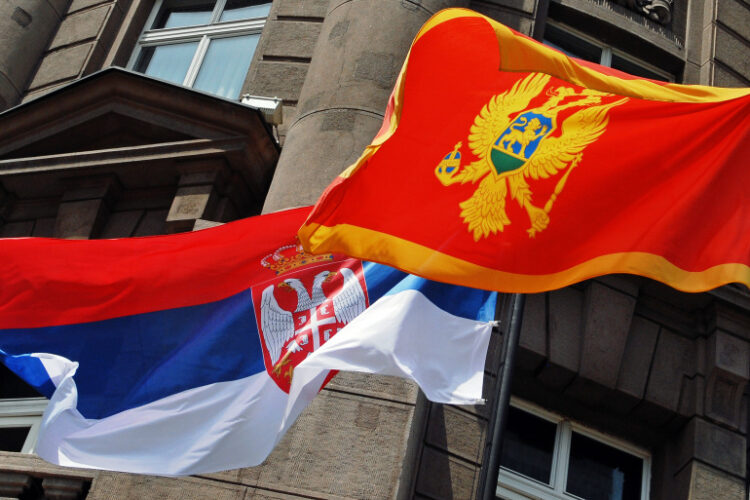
(504, 164)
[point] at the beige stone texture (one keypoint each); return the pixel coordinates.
(342, 446)
(81, 26)
(735, 14)
(278, 79)
(457, 432)
(25, 29)
(291, 39)
(78, 219)
(395, 389)
(110, 486)
(77, 5)
(525, 6)
(732, 51)
(303, 8)
(725, 78)
(63, 64)
(708, 483)
(564, 346)
(444, 477)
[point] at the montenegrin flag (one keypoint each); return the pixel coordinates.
(175, 354)
(504, 164)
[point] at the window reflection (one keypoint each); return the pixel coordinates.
(244, 9)
(600, 472)
(204, 44)
(177, 15)
(168, 62)
(225, 65)
(528, 445)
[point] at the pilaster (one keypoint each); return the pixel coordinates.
(84, 207)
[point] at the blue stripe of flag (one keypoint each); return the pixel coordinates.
(130, 361)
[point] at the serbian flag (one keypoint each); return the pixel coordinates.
(175, 354)
(507, 165)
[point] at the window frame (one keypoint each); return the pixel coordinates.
(608, 51)
(202, 33)
(23, 412)
(515, 486)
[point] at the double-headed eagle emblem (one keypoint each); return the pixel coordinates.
(318, 313)
(515, 143)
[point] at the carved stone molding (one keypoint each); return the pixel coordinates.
(13, 484)
(727, 363)
(64, 488)
(656, 10)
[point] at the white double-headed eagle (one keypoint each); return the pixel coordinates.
(501, 126)
(278, 324)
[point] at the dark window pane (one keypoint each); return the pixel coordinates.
(600, 472)
(572, 45)
(12, 438)
(11, 386)
(528, 444)
(634, 69)
(225, 66)
(179, 14)
(245, 9)
(168, 62)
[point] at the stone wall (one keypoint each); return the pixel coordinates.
(631, 358)
(732, 25)
(284, 53)
(26, 27)
(80, 45)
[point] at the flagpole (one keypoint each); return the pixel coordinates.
(502, 398)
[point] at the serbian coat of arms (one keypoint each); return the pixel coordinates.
(514, 142)
(311, 298)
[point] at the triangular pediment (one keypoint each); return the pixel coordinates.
(108, 130)
(144, 132)
(115, 108)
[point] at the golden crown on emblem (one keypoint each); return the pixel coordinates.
(291, 257)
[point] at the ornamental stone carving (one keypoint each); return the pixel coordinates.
(657, 10)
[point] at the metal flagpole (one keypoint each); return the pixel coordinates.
(499, 414)
(502, 399)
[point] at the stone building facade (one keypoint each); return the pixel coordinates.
(91, 150)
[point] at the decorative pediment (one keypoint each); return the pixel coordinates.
(117, 117)
(140, 137)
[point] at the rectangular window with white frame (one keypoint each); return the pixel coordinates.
(203, 44)
(21, 409)
(19, 423)
(577, 44)
(547, 457)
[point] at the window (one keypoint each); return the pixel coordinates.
(546, 457)
(21, 409)
(576, 44)
(206, 45)
(19, 423)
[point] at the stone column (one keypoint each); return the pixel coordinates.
(358, 56)
(708, 458)
(26, 27)
(355, 63)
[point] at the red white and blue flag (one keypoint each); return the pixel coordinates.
(175, 354)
